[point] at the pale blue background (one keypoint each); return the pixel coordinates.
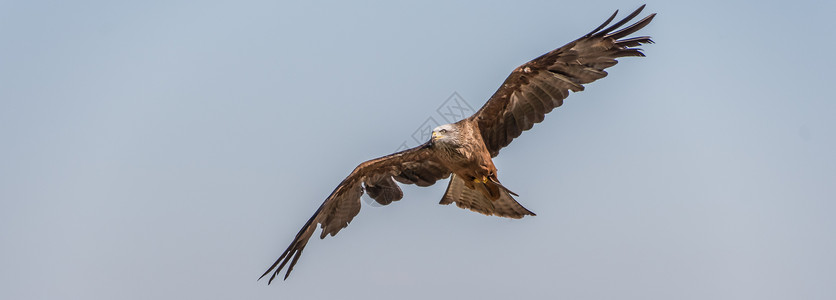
(171, 150)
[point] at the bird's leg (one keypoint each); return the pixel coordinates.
(484, 179)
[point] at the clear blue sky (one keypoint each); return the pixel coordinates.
(172, 149)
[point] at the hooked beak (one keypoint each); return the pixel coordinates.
(436, 136)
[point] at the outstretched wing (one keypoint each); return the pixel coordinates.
(417, 166)
(535, 88)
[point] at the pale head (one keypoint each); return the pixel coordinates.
(446, 133)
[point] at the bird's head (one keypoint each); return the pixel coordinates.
(446, 134)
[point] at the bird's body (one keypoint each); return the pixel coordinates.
(466, 155)
(464, 150)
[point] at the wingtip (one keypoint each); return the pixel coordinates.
(622, 22)
(265, 274)
(640, 9)
(607, 22)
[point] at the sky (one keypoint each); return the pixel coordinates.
(172, 149)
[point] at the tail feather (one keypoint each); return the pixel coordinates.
(464, 197)
(496, 182)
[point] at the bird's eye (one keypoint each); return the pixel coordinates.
(443, 131)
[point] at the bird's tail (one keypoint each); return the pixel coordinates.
(504, 205)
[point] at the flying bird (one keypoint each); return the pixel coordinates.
(463, 151)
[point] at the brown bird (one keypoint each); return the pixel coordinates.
(465, 149)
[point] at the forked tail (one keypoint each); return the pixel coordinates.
(465, 197)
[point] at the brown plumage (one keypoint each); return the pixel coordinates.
(465, 149)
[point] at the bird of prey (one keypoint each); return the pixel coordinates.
(464, 150)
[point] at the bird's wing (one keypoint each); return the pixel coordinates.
(535, 88)
(417, 166)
